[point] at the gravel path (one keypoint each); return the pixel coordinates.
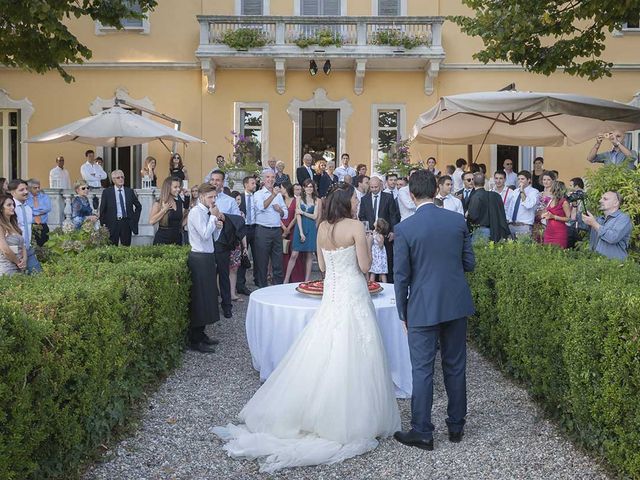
(506, 436)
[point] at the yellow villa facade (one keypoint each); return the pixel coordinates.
(174, 62)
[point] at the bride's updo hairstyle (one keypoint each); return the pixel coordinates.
(338, 203)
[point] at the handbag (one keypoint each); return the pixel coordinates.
(286, 243)
(244, 261)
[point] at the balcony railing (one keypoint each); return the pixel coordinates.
(352, 31)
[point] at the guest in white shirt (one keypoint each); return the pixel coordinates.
(449, 201)
(362, 187)
(511, 176)
(458, 184)
(204, 228)
(524, 208)
(19, 190)
(406, 206)
(91, 172)
(508, 196)
(344, 168)
(392, 179)
(58, 176)
(269, 209)
(247, 206)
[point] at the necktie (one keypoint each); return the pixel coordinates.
(123, 209)
(36, 218)
(466, 195)
(375, 206)
(25, 225)
(515, 208)
(249, 209)
(310, 174)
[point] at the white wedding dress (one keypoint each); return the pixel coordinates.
(332, 394)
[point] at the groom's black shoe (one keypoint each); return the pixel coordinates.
(455, 437)
(210, 341)
(413, 439)
(202, 347)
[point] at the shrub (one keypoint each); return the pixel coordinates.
(567, 324)
(323, 37)
(627, 183)
(80, 343)
(398, 39)
(244, 38)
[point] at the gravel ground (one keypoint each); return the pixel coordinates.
(506, 435)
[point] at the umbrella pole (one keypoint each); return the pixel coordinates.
(485, 138)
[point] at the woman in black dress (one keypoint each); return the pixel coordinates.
(168, 212)
(177, 169)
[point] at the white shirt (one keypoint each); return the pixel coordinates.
(250, 206)
(527, 209)
(92, 173)
(227, 204)
(452, 203)
(508, 199)
(359, 194)
(512, 179)
(59, 178)
(342, 171)
(202, 228)
(458, 184)
(268, 217)
(27, 217)
(393, 192)
(405, 204)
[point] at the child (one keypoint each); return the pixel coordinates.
(378, 252)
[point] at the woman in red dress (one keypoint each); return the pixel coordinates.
(291, 193)
(557, 213)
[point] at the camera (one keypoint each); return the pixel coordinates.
(576, 196)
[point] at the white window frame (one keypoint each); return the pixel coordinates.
(265, 7)
(25, 109)
(237, 127)
(402, 126)
(403, 8)
(297, 8)
(143, 29)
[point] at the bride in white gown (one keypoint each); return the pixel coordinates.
(331, 396)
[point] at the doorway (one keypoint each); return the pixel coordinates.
(127, 159)
(319, 133)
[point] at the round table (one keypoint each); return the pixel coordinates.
(276, 315)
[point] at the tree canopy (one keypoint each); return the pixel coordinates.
(33, 35)
(544, 35)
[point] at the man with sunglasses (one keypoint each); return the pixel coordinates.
(120, 210)
(467, 191)
(511, 176)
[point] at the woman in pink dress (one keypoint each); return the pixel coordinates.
(557, 214)
(544, 199)
(291, 193)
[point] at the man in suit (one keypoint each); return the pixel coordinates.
(432, 250)
(305, 171)
(467, 191)
(248, 209)
(378, 204)
(120, 210)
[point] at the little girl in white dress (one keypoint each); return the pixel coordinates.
(378, 252)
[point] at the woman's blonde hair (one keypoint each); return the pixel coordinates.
(78, 184)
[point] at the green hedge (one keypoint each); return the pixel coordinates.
(568, 325)
(78, 345)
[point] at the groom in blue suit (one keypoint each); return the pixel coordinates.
(432, 250)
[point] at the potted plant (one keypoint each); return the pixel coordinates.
(245, 160)
(397, 159)
(244, 38)
(323, 37)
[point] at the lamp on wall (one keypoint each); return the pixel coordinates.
(313, 68)
(327, 67)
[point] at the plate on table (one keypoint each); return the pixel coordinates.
(315, 288)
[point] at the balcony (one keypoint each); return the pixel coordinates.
(350, 43)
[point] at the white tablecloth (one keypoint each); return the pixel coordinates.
(277, 315)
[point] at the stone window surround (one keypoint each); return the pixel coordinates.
(402, 126)
(237, 118)
(26, 110)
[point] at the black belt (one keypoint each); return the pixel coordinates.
(122, 218)
(269, 228)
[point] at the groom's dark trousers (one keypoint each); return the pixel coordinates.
(432, 250)
(422, 348)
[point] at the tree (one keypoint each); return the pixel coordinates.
(544, 35)
(33, 35)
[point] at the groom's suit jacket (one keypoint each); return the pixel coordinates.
(432, 250)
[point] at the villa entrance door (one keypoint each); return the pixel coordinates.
(319, 133)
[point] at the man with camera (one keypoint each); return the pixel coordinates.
(609, 234)
(618, 155)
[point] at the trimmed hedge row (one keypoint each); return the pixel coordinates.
(78, 345)
(568, 325)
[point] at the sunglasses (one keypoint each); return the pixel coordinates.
(84, 188)
(115, 178)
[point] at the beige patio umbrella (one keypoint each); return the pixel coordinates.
(522, 118)
(114, 127)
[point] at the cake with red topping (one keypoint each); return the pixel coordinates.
(316, 287)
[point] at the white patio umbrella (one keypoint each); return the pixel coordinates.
(522, 118)
(114, 127)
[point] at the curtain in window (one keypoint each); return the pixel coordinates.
(389, 7)
(251, 7)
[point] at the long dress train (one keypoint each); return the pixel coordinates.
(331, 396)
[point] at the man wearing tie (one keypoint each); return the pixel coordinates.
(305, 171)
(120, 210)
(465, 194)
(19, 190)
(378, 204)
(247, 207)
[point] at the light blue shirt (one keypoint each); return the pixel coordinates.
(25, 219)
(612, 239)
(268, 217)
(227, 204)
(615, 157)
(44, 206)
(119, 212)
